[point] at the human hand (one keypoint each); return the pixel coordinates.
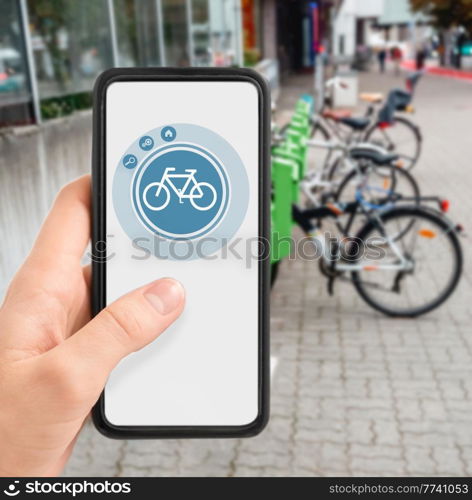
(54, 361)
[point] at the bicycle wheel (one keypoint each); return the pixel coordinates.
(206, 196)
(159, 202)
(384, 183)
(431, 249)
(402, 138)
(336, 170)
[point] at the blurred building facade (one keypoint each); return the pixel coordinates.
(377, 23)
(52, 50)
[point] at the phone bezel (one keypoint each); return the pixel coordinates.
(99, 235)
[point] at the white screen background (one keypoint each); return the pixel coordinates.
(204, 369)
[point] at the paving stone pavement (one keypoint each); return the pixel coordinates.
(354, 393)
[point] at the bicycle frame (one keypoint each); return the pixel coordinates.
(304, 217)
(346, 134)
(334, 128)
(317, 178)
(339, 266)
(166, 177)
(304, 220)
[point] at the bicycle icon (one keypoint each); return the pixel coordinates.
(196, 192)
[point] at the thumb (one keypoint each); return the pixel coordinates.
(125, 326)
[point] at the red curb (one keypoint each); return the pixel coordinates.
(446, 72)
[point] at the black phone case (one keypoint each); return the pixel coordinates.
(99, 235)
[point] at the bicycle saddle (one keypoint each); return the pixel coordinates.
(373, 97)
(376, 157)
(356, 123)
(337, 114)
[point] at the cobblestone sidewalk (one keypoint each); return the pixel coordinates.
(354, 393)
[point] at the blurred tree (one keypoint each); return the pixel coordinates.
(448, 14)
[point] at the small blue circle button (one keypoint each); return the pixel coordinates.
(146, 143)
(130, 161)
(168, 134)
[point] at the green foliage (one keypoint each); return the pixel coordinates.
(65, 105)
(446, 13)
(251, 57)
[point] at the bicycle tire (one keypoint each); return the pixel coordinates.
(333, 168)
(348, 178)
(199, 185)
(415, 131)
(451, 234)
(402, 172)
(166, 190)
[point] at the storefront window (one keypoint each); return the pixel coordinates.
(176, 32)
(224, 32)
(15, 98)
(137, 30)
(251, 31)
(200, 30)
(71, 44)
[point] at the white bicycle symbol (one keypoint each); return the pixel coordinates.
(192, 190)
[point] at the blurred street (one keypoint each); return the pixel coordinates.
(354, 393)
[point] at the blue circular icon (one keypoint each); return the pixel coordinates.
(146, 143)
(181, 192)
(185, 199)
(168, 134)
(130, 161)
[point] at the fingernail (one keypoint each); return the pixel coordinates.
(165, 295)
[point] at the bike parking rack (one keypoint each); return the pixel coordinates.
(289, 162)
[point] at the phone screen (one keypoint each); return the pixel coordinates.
(182, 201)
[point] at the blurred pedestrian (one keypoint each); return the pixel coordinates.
(442, 54)
(397, 56)
(382, 56)
(420, 58)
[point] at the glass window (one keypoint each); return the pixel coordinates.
(251, 10)
(137, 32)
(71, 44)
(224, 32)
(176, 40)
(15, 97)
(200, 11)
(200, 30)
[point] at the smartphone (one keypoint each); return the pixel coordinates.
(180, 189)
